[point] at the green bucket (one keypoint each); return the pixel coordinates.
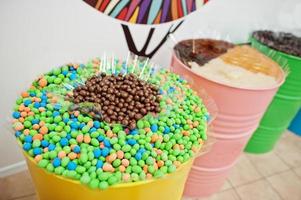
(284, 106)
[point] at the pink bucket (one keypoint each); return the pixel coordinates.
(240, 110)
(210, 182)
(224, 151)
(239, 113)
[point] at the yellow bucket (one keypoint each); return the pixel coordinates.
(52, 187)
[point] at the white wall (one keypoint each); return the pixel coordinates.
(37, 35)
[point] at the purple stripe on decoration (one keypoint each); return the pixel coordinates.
(193, 6)
(165, 9)
(133, 6)
(143, 10)
(189, 5)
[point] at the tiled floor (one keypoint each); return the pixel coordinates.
(275, 175)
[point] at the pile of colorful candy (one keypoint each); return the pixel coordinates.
(74, 145)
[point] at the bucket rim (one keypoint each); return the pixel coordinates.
(279, 82)
(277, 51)
(120, 185)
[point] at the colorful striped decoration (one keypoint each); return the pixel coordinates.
(146, 11)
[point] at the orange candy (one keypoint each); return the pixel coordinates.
(125, 162)
(145, 167)
(21, 107)
(42, 82)
(149, 176)
(107, 167)
(111, 158)
(61, 154)
(126, 177)
(37, 158)
(43, 130)
(24, 94)
(24, 114)
(87, 139)
(35, 126)
(19, 126)
(90, 124)
(72, 155)
(154, 138)
(26, 132)
(30, 113)
(120, 154)
(122, 168)
(109, 133)
(37, 137)
(160, 163)
(26, 109)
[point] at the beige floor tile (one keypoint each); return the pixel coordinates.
(287, 184)
(259, 190)
(289, 150)
(227, 185)
(17, 185)
(225, 195)
(298, 171)
(267, 164)
(243, 172)
(31, 197)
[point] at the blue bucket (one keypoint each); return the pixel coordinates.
(296, 124)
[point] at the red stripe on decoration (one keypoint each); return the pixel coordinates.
(122, 14)
(104, 5)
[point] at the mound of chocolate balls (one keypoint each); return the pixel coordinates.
(281, 41)
(121, 99)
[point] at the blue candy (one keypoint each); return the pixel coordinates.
(36, 104)
(132, 142)
(51, 147)
(65, 120)
(56, 162)
(166, 130)
(35, 121)
(57, 106)
(37, 151)
(105, 151)
(99, 164)
(76, 149)
(74, 125)
(134, 132)
(44, 143)
(154, 128)
(28, 138)
(72, 76)
(107, 143)
(16, 115)
(96, 124)
(27, 102)
(68, 136)
(97, 153)
(18, 133)
(27, 146)
(65, 72)
(32, 94)
(71, 165)
(138, 156)
(64, 142)
(56, 113)
(100, 138)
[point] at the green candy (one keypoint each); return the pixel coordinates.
(43, 163)
(94, 142)
(112, 180)
(103, 185)
(94, 183)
